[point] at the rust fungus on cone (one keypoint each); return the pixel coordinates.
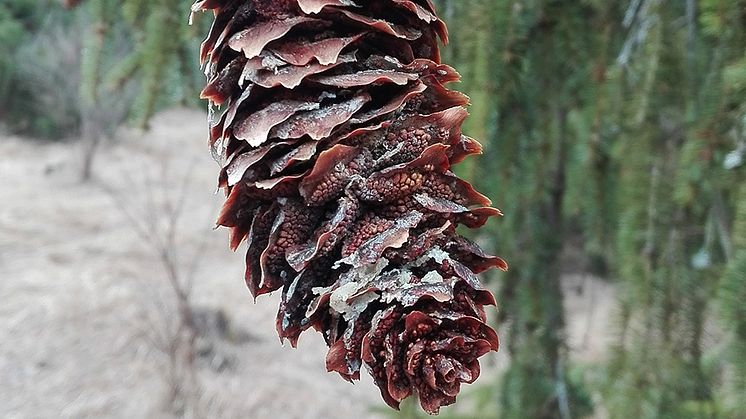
(336, 134)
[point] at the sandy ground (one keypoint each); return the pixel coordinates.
(81, 293)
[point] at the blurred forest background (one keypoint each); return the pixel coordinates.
(615, 143)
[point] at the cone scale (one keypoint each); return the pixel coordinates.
(336, 136)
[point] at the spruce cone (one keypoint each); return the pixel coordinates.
(69, 4)
(336, 135)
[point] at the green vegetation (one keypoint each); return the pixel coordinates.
(64, 73)
(621, 123)
(24, 74)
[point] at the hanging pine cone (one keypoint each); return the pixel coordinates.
(336, 136)
(69, 4)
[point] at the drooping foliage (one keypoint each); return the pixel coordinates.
(673, 238)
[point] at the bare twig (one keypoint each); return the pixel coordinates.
(155, 217)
